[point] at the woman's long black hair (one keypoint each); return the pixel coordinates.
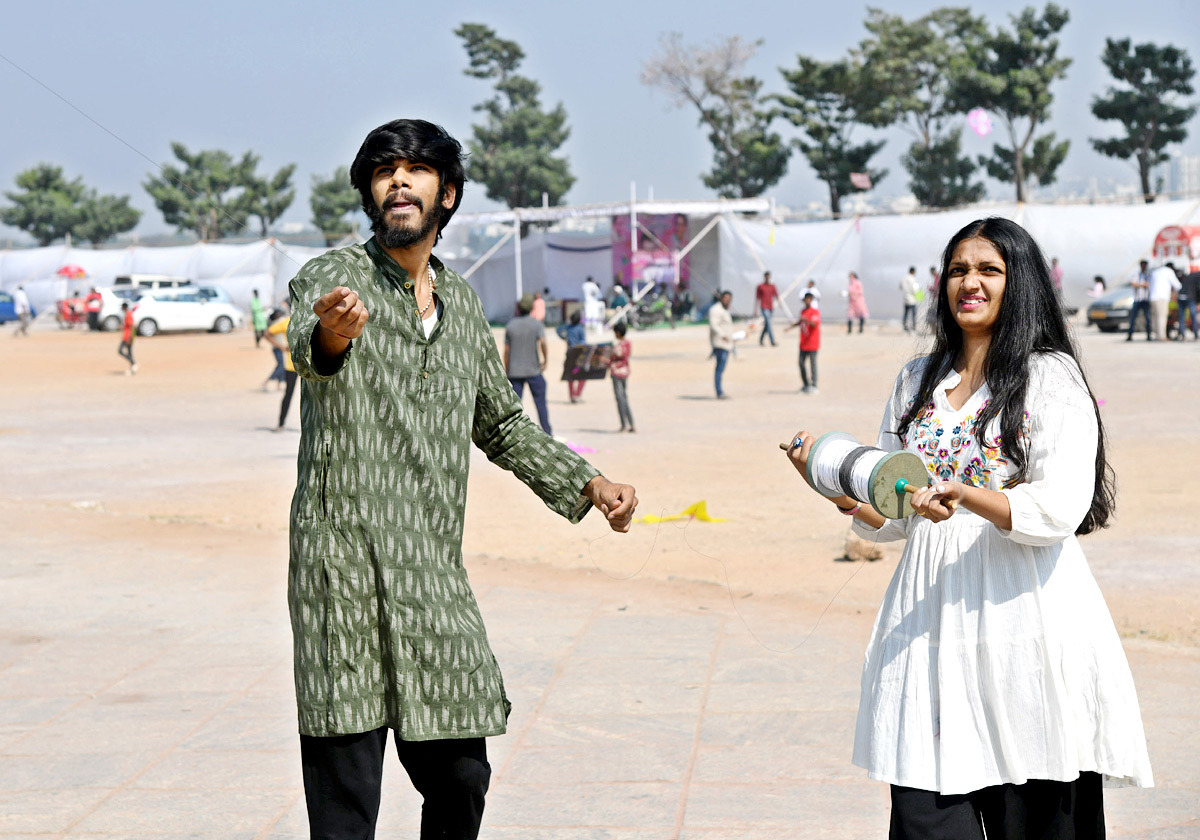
(1030, 322)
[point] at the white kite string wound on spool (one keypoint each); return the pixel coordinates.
(838, 465)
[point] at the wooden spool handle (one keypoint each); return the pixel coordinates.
(912, 488)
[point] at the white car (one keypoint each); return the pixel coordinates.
(185, 308)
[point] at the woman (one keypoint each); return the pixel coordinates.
(995, 693)
(575, 334)
(857, 305)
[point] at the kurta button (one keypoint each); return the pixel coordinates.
(426, 374)
(408, 285)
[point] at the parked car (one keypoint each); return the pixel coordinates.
(8, 309)
(110, 318)
(149, 282)
(1110, 311)
(186, 308)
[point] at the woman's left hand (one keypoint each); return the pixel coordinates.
(938, 501)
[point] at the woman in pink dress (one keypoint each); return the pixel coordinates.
(857, 306)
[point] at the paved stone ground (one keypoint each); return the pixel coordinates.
(145, 692)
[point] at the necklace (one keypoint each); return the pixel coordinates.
(432, 275)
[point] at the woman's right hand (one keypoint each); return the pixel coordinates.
(798, 451)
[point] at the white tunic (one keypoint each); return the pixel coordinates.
(994, 658)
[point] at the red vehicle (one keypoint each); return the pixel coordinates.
(72, 312)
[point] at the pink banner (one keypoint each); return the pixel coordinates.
(658, 236)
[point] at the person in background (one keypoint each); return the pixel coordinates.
(619, 301)
(1056, 275)
(1141, 301)
(593, 304)
(811, 289)
(525, 356)
(1189, 296)
(125, 350)
(574, 333)
(764, 298)
(276, 334)
(856, 305)
(538, 310)
(22, 310)
(619, 370)
(1099, 287)
(93, 303)
(720, 336)
(810, 342)
(258, 316)
(279, 373)
(910, 290)
(1163, 281)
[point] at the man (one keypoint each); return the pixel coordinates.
(593, 304)
(764, 298)
(910, 289)
(811, 289)
(1189, 295)
(128, 333)
(720, 335)
(259, 316)
(538, 310)
(22, 310)
(525, 355)
(401, 373)
(810, 343)
(93, 303)
(276, 335)
(1163, 281)
(1141, 301)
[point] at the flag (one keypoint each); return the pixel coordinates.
(861, 180)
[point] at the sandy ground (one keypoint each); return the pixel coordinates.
(188, 440)
(145, 685)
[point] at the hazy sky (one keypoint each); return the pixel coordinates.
(304, 81)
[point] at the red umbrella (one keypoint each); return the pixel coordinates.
(72, 272)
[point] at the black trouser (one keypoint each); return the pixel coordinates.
(289, 377)
(342, 777)
(537, 387)
(1036, 810)
(808, 377)
(850, 325)
(1142, 306)
(125, 351)
(910, 314)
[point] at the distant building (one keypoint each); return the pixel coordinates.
(1180, 176)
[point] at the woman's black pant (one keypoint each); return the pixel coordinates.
(342, 776)
(1036, 810)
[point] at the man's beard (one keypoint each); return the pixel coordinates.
(399, 235)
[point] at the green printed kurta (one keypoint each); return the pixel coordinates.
(385, 626)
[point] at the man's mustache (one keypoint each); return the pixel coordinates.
(401, 197)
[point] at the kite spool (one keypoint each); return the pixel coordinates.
(838, 465)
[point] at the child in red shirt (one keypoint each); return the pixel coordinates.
(810, 342)
(619, 369)
(127, 334)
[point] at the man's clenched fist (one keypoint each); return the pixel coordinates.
(342, 313)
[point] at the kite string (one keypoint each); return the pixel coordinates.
(728, 586)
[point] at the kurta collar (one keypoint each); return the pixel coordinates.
(392, 270)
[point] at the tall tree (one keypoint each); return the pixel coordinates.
(828, 100)
(208, 195)
(101, 217)
(512, 153)
(910, 64)
(1148, 108)
(1010, 76)
(332, 201)
(271, 196)
(45, 205)
(748, 158)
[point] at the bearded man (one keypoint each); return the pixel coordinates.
(400, 374)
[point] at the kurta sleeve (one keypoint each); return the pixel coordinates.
(511, 440)
(1063, 436)
(889, 441)
(317, 278)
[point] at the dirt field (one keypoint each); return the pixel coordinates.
(188, 440)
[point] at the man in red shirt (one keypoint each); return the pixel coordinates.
(128, 332)
(92, 304)
(810, 343)
(764, 297)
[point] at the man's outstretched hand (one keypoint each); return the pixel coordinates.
(616, 501)
(342, 313)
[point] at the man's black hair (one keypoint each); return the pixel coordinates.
(415, 141)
